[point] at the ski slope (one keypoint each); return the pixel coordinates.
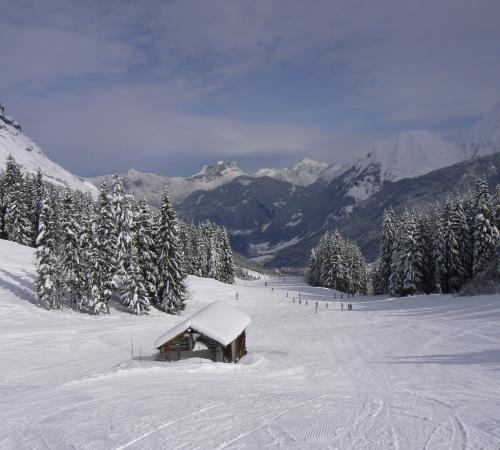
(408, 373)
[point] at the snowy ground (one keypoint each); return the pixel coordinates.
(407, 373)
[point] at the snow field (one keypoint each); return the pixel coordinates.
(419, 372)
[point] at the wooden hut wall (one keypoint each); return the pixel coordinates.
(181, 348)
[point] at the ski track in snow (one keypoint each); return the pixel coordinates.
(408, 373)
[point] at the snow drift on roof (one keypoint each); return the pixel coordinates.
(218, 321)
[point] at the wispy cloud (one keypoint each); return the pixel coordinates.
(149, 84)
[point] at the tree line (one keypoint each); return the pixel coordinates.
(442, 251)
(419, 253)
(89, 249)
(337, 263)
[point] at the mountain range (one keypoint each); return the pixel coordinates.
(276, 215)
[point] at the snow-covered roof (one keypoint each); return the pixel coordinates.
(218, 321)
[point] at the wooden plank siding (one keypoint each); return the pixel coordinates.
(181, 347)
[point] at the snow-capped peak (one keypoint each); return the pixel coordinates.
(407, 155)
(411, 154)
(14, 142)
(220, 169)
(303, 173)
(483, 138)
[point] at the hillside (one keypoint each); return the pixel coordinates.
(277, 223)
(332, 379)
(14, 142)
(364, 225)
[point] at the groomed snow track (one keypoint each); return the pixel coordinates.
(408, 373)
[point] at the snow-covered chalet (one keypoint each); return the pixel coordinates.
(216, 332)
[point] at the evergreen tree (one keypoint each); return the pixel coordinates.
(312, 271)
(337, 264)
(188, 250)
(134, 294)
(49, 267)
(70, 249)
(425, 232)
(16, 224)
(124, 246)
(214, 262)
(386, 248)
(37, 196)
(458, 245)
(496, 207)
(172, 293)
(396, 278)
(466, 236)
(411, 255)
(144, 246)
(226, 258)
(485, 233)
(102, 254)
(86, 251)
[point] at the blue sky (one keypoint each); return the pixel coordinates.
(167, 86)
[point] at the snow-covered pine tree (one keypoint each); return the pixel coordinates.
(49, 264)
(411, 255)
(37, 194)
(124, 224)
(226, 257)
(324, 254)
(86, 218)
(386, 248)
(485, 233)
(144, 246)
(187, 248)
(132, 284)
(337, 273)
(102, 254)
(214, 261)
(16, 218)
(396, 278)
(312, 271)
(70, 249)
(457, 246)
(496, 206)
(359, 277)
(466, 235)
(425, 232)
(376, 280)
(172, 292)
(10, 177)
(439, 249)
(193, 246)
(337, 264)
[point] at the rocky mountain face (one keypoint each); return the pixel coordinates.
(304, 173)
(149, 186)
(277, 223)
(16, 143)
